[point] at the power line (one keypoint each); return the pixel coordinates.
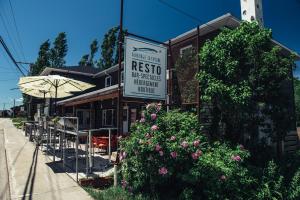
(10, 55)
(186, 14)
(11, 67)
(17, 30)
(8, 35)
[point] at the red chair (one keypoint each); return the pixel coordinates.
(101, 142)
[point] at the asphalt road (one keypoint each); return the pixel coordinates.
(4, 181)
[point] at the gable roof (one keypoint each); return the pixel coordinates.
(81, 70)
(226, 20)
(109, 70)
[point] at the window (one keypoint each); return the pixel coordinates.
(122, 76)
(108, 117)
(186, 49)
(108, 81)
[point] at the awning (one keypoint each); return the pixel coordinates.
(97, 95)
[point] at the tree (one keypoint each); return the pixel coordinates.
(88, 59)
(297, 99)
(242, 75)
(93, 50)
(43, 59)
(59, 50)
(84, 60)
(109, 48)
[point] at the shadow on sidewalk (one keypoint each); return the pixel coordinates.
(28, 190)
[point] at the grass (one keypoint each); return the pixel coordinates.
(113, 193)
(18, 122)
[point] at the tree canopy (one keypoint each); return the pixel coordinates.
(297, 99)
(88, 59)
(42, 60)
(243, 76)
(59, 50)
(51, 57)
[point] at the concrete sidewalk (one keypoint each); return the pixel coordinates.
(29, 176)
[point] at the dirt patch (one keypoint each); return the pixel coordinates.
(99, 183)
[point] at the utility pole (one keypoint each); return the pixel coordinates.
(120, 114)
(14, 108)
(119, 106)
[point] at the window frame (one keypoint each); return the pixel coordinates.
(190, 46)
(106, 81)
(122, 76)
(104, 117)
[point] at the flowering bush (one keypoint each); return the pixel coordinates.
(167, 154)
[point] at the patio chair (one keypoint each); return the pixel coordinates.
(100, 143)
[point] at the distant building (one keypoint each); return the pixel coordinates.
(252, 10)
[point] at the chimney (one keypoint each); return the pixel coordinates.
(252, 10)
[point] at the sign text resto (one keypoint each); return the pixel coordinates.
(145, 69)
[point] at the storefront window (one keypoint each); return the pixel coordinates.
(108, 117)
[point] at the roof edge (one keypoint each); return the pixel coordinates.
(50, 69)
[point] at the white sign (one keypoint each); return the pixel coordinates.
(145, 69)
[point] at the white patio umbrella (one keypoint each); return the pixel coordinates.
(44, 94)
(53, 84)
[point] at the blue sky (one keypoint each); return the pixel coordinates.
(85, 20)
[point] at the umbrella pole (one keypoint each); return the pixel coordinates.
(55, 110)
(44, 105)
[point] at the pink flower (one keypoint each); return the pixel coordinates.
(223, 177)
(120, 137)
(122, 155)
(195, 156)
(157, 147)
(161, 153)
(158, 107)
(184, 144)
(236, 158)
(173, 154)
(153, 116)
(148, 106)
(199, 152)
(124, 183)
(148, 135)
(173, 138)
(142, 120)
(142, 115)
(196, 143)
(154, 128)
(163, 171)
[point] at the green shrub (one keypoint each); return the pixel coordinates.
(18, 122)
(271, 185)
(294, 187)
(113, 193)
(167, 155)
